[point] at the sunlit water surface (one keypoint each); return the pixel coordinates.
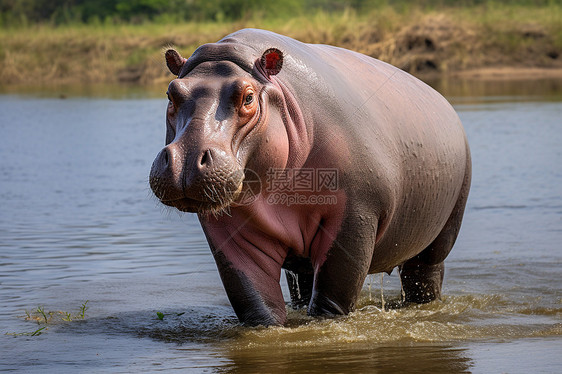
(78, 223)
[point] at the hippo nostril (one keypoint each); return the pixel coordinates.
(206, 158)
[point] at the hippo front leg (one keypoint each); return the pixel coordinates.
(339, 279)
(255, 296)
(251, 284)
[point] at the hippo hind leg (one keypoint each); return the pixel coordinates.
(300, 279)
(421, 282)
(422, 276)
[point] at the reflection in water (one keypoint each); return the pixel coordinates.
(458, 90)
(438, 358)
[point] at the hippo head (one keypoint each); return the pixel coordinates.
(224, 128)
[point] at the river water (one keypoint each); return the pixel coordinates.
(78, 225)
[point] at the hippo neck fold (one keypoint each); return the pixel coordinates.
(300, 136)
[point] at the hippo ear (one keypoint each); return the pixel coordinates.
(174, 61)
(272, 61)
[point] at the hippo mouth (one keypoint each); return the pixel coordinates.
(208, 198)
(214, 204)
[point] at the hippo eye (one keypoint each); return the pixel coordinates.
(249, 99)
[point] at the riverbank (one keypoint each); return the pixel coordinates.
(478, 42)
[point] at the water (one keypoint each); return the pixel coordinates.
(78, 223)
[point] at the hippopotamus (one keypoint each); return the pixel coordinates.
(318, 160)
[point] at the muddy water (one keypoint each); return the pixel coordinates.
(78, 223)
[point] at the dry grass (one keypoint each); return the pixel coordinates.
(418, 41)
(89, 54)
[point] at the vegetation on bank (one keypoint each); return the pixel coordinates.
(434, 36)
(56, 12)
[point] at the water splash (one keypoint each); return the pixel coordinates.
(382, 292)
(298, 288)
(455, 318)
(402, 293)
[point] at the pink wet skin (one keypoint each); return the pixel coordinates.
(257, 238)
(265, 233)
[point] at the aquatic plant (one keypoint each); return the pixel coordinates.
(41, 316)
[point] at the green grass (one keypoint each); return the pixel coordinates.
(491, 34)
(43, 317)
(161, 315)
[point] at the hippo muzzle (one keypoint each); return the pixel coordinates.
(205, 181)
